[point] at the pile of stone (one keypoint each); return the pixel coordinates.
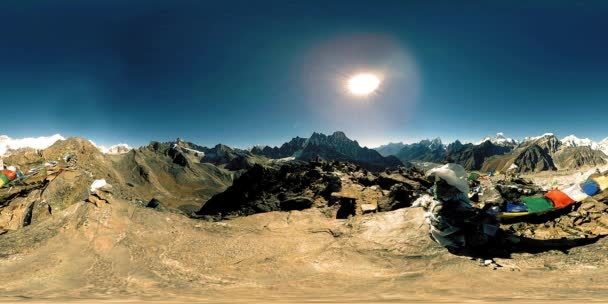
(100, 196)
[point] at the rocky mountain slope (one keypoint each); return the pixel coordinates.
(473, 156)
(390, 149)
(546, 152)
(425, 150)
(165, 171)
(330, 147)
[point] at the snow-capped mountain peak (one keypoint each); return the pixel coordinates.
(603, 146)
(43, 142)
(538, 137)
(500, 139)
(573, 141)
(118, 149)
(115, 149)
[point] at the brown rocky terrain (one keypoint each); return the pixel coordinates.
(313, 231)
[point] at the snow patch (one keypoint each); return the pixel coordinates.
(283, 160)
(43, 142)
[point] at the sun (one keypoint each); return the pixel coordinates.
(363, 84)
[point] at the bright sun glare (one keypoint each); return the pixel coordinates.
(363, 84)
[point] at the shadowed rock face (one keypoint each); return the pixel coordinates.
(265, 189)
(535, 159)
(472, 157)
(341, 189)
(288, 149)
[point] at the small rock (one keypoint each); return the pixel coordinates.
(368, 208)
(103, 195)
(96, 200)
(106, 188)
(587, 206)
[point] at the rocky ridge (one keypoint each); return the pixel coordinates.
(336, 146)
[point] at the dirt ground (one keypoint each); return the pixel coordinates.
(122, 253)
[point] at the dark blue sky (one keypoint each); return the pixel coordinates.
(261, 72)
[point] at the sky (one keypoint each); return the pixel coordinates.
(245, 73)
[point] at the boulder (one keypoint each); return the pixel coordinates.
(154, 204)
(68, 188)
(368, 208)
(399, 197)
(18, 213)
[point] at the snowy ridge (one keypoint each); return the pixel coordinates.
(538, 137)
(115, 149)
(573, 141)
(118, 149)
(43, 142)
(500, 139)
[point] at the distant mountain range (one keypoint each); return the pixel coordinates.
(533, 154)
(546, 152)
(7, 144)
(471, 156)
